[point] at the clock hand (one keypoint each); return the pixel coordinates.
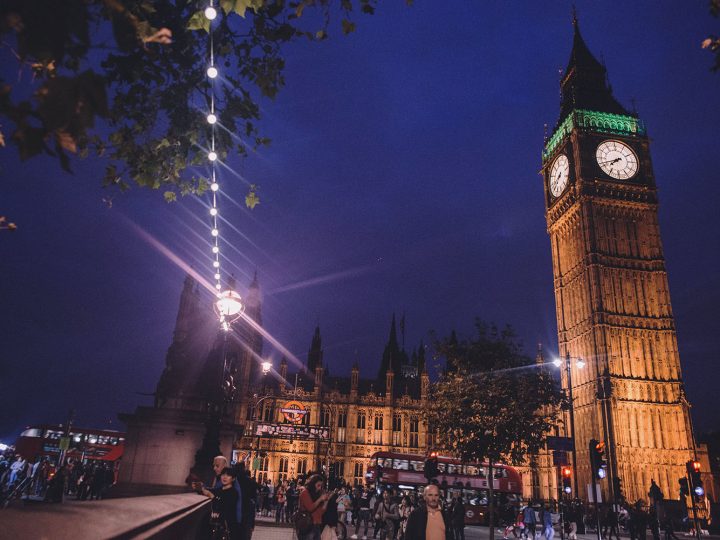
(609, 161)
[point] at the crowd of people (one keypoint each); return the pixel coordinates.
(321, 513)
(41, 479)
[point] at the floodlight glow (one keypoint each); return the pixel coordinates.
(266, 367)
(557, 362)
(212, 156)
(211, 118)
(212, 72)
(210, 13)
(229, 305)
(214, 186)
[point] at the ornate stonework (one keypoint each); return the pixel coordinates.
(612, 296)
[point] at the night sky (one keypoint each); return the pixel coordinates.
(402, 178)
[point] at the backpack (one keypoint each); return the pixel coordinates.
(303, 521)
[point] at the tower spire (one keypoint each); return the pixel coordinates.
(315, 354)
(584, 83)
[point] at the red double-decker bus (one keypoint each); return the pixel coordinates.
(82, 444)
(405, 471)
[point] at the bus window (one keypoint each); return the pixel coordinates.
(385, 462)
(441, 467)
(400, 464)
(500, 473)
(417, 465)
(373, 462)
(32, 432)
(471, 470)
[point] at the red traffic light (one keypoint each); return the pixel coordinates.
(566, 471)
(600, 447)
(696, 466)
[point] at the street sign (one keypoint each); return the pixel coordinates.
(560, 458)
(560, 443)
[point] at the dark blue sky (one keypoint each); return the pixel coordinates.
(403, 177)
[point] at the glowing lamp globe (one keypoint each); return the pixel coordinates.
(580, 363)
(229, 306)
(266, 367)
(557, 362)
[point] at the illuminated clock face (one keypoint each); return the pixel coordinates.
(559, 173)
(617, 159)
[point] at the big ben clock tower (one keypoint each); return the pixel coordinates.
(611, 289)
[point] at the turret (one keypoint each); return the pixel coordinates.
(389, 381)
(354, 380)
(318, 379)
(424, 385)
(283, 373)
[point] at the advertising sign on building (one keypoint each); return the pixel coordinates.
(292, 431)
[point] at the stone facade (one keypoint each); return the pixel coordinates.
(611, 293)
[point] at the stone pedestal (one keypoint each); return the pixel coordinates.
(160, 449)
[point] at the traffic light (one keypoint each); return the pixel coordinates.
(597, 458)
(566, 477)
(617, 488)
(684, 488)
(431, 466)
(696, 483)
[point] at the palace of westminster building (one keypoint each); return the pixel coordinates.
(613, 310)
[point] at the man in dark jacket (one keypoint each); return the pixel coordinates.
(429, 522)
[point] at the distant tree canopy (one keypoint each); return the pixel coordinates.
(712, 42)
(492, 401)
(140, 66)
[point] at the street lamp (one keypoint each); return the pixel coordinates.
(580, 363)
(266, 367)
(229, 308)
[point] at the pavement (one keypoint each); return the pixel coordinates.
(265, 529)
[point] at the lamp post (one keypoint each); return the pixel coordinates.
(580, 363)
(229, 307)
(266, 367)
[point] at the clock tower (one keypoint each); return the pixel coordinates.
(611, 289)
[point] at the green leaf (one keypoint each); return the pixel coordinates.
(170, 196)
(199, 22)
(163, 144)
(320, 34)
(347, 26)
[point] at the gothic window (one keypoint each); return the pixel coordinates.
(397, 430)
(342, 426)
(268, 411)
(377, 433)
(358, 474)
(325, 418)
(302, 466)
(414, 428)
(263, 466)
(250, 413)
(283, 469)
(360, 436)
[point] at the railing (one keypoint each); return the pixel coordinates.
(176, 517)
